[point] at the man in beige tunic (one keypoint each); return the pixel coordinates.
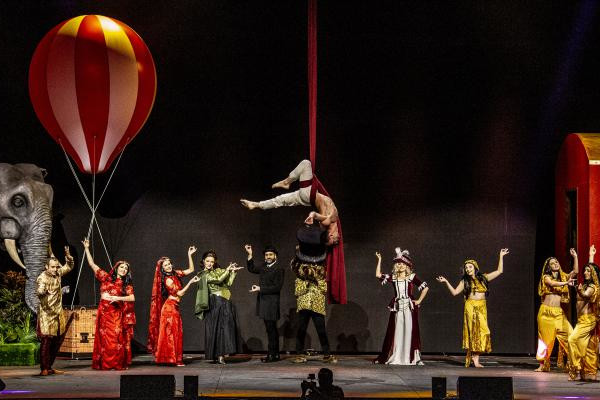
(51, 320)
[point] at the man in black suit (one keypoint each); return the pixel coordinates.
(267, 302)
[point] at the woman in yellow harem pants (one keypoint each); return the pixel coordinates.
(474, 286)
(552, 322)
(583, 342)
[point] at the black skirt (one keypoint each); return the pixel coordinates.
(220, 328)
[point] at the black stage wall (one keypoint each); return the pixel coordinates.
(438, 127)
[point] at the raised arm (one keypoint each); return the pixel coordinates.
(592, 253)
(88, 255)
(69, 263)
(250, 262)
(454, 291)
(575, 269)
(378, 267)
(493, 275)
(190, 268)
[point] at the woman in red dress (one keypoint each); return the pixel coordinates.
(116, 316)
(165, 335)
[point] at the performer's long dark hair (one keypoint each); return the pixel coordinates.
(127, 279)
(468, 281)
(164, 292)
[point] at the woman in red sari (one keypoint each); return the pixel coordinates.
(116, 316)
(165, 335)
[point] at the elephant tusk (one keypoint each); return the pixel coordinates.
(11, 247)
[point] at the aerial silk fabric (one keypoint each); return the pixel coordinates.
(335, 263)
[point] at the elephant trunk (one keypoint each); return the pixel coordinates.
(34, 247)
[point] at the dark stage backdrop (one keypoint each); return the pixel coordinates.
(438, 128)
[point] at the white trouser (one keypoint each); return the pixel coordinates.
(302, 172)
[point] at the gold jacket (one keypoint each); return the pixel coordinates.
(50, 316)
(311, 295)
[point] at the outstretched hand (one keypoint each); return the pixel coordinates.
(378, 255)
(195, 279)
(86, 243)
(248, 249)
(233, 267)
(573, 252)
(68, 256)
(441, 279)
(254, 288)
(192, 250)
(503, 252)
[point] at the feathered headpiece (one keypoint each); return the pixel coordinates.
(404, 257)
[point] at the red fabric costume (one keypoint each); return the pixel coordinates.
(114, 326)
(165, 336)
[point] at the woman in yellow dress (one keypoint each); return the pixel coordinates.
(583, 341)
(474, 286)
(551, 320)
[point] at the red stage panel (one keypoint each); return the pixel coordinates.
(577, 182)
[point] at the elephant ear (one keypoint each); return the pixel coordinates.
(32, 171)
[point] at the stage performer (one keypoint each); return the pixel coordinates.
(115, 318)
(552, 322)
(474, 286)
(269, 285)
(51, 324)
(213, 304)
(326, 214)
(165, 331)
(402, 343)
(311, 288)
(583, 341)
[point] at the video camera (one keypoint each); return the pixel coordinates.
(308, 383)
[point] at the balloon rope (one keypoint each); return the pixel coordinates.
(113, 171)
(93, 209)
(80, 269)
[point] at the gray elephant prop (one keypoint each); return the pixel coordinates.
(26, 220)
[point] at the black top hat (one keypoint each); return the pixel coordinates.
(270, 248)
(311, 243)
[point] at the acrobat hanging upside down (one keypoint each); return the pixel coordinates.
(307, 195)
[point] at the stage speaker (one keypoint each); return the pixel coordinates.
(438, 387)
(484, 388)
(2, 385)
(147, 386)
(190, 387)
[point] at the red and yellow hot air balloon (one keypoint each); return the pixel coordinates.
(92, 82)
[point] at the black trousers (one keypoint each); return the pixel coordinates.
(304, 317)
(48, 350)
(273, 337)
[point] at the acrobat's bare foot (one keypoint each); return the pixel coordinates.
(540, 369)
(477, 365)
(284, 184)
(250, 205)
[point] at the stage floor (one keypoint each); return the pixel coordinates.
(246, 376)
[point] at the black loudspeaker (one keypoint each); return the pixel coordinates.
(484, 388)
(190, 387)
(147, 386)
(2, 385)
(438, 388)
